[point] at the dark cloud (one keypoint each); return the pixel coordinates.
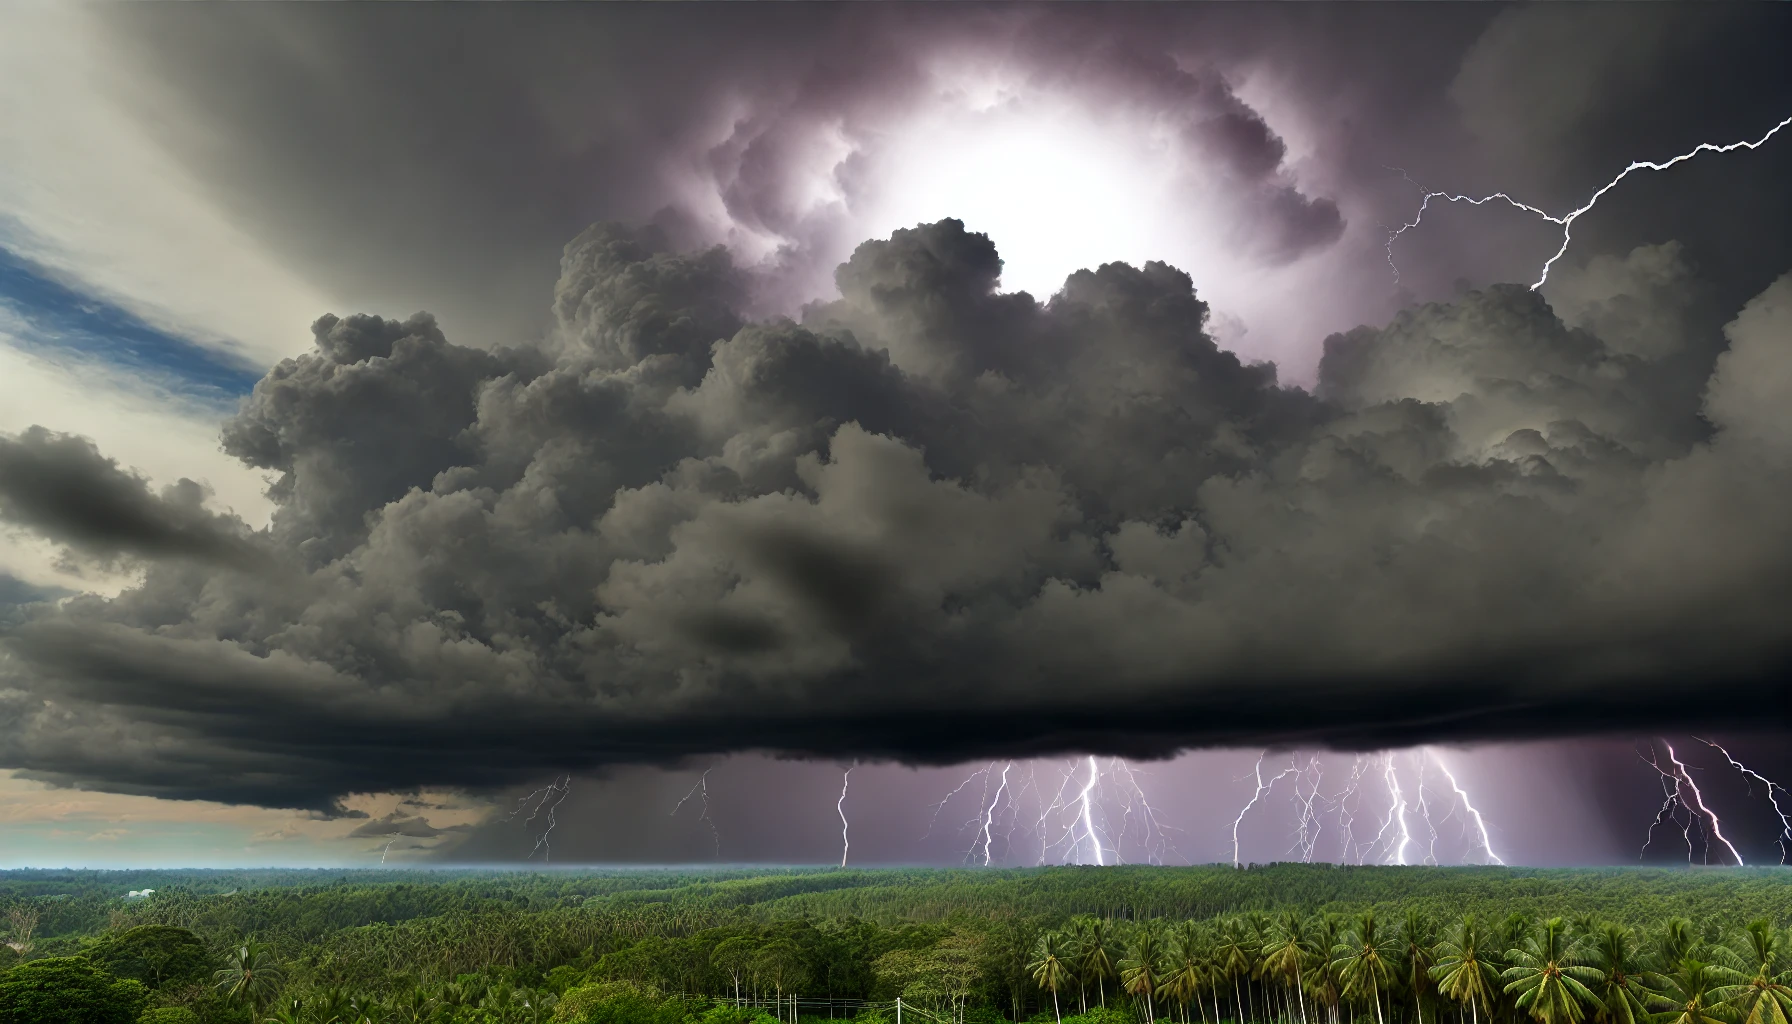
(930, 521)
(60, 486)
(399, 825)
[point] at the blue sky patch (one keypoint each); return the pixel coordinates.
(61, 320)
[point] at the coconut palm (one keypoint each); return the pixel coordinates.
(1095, 954)
(1416, 958)
(1674, 943)
(1692, 993)
(1622, 986)
(1185, 969)
(1763, 974)
(1232, 959)
(1328, 934)
(1258, 929)
(1366, 962)
(1141, 970)
(1050, 967)
(1287, 954)
(1551, 985)
(251, 974)
(330, 1006)
(1463, 971)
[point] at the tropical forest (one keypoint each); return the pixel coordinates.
(1276, 944)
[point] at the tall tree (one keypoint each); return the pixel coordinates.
(1416, 957)
(1185, 972)
(1366, 962)
(1096, 957)
(1141, 970)
(1287, 954)
(1463, 973)
(1050, 968)
(251, 974)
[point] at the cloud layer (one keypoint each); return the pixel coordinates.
(929, 521)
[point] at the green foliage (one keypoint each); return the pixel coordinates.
(1103, 1015)
(725, 1013)
(1282, 944)
(168, 1015)
(160, 956)
(67, 990)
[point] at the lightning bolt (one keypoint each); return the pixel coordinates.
(1425, 816)
(1671, 805)
(840, 806)
(1462, 798)
(981, 773)
(1156, 835)
(1785, 836)
(551, 796)
(388, 847)
(1262, 790)
(1087, 814)
(989, 816)
(701, 789)
(1566, 222)
(1311, 824)
(1396, 810)
(1699, 801)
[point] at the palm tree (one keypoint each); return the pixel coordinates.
(1049, 968)
(1258, 929)
(1234, 960)
(1692, 993)
(1416, 959)
(330, 1006)
(1095, 956)
(251, 974)
(1675, 943)
(1328, 935)
(1763, 974)
(1141, 970)
(1621, 988)
(1551, 985)
(1185, 973)
(413, 1006)
(1286, 954)
(1463, 972)
(1366, 962)
(288, 1011)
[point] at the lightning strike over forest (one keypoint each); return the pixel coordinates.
(700, 789)
(548, 798)
(840, 807)
(1784, 838)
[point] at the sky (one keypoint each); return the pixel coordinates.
(960, 434)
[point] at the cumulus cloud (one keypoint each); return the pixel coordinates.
(930, 521)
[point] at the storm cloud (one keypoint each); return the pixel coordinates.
(927, 521)
(62, 487)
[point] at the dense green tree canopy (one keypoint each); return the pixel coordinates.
(1284, 944)
(67, 990)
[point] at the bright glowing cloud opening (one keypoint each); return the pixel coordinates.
(1056, 187)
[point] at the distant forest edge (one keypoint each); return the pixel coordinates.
(1294, 943)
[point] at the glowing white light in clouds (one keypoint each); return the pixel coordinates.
(1058, 188)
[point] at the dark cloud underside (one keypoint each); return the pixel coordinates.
(930, 522)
